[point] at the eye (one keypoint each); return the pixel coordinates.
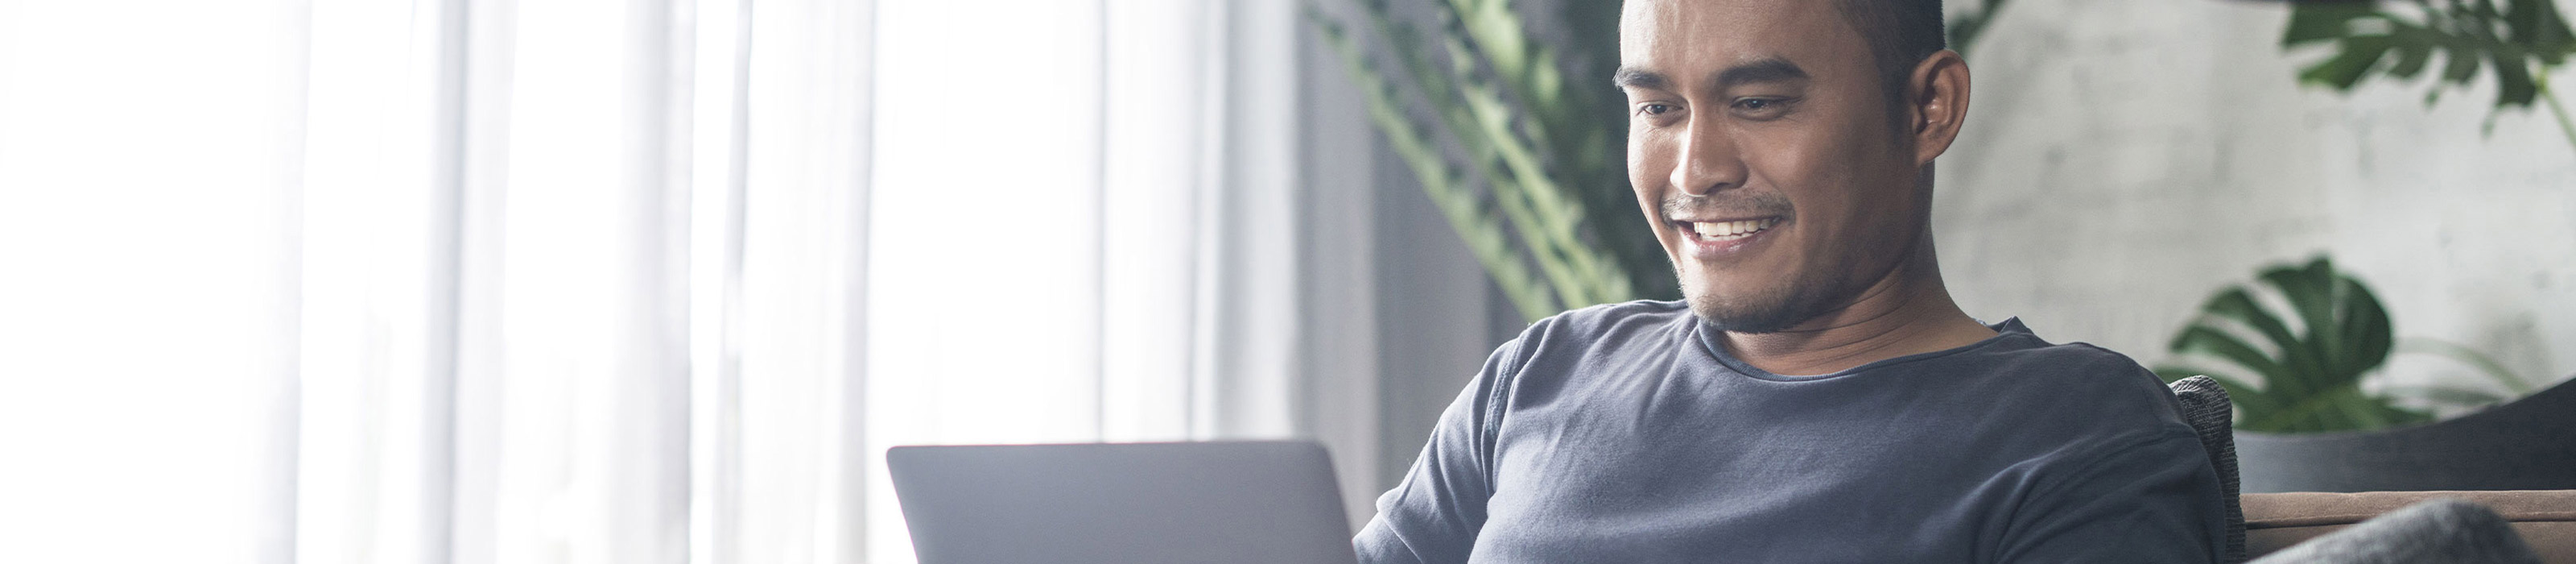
(1763, 108)
(1654, 109)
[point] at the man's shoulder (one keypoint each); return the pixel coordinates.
(2036, 379)
(2073, 364)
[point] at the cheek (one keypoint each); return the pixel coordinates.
(1646, 161)
(1794, 156)
(1649, 168)
(1650, 165)
(1851, 191)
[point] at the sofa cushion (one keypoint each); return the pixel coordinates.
(2546, 519)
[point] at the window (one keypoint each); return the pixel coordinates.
(619, 281)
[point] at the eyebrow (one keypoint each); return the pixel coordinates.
(1633, 77)
(1771, 69)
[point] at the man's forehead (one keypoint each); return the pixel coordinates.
(1654, 34)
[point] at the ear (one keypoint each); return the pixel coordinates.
(1936, 95)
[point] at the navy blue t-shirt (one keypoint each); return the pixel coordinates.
(1626, 433)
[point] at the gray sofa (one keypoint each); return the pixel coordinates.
(2382, 526)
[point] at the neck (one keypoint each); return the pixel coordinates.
(1907, 311)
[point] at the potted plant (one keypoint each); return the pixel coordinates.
(2306, 421)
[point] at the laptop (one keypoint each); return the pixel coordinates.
(1256, 502)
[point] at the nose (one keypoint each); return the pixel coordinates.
(1709, 159)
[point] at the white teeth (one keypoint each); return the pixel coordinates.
(1718, 230)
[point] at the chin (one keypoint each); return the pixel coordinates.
(1763, 310)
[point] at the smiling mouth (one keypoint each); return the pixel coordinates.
(1722, 231)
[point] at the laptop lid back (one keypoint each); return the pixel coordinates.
(1231, 502)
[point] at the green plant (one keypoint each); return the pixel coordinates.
(1524, 162)
(2521, 41)
(2308, 377)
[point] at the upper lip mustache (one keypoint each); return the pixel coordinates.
(1712, 220)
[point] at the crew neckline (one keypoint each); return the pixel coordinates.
(2011, 327)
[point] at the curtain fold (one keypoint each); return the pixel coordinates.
(803, 270)
(635, 281)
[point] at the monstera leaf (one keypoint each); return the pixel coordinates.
(2519, 41)
(2296, 377)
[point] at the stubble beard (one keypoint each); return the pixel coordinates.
(1813, 291)
(1768, 310)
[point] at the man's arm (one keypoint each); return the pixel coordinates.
(1434, 515)
(2143, 498)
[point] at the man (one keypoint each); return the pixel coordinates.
(1817, 397)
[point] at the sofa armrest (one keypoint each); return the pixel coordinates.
(2546, 519)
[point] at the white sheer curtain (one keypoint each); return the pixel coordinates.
(148, 279)
(619, 281)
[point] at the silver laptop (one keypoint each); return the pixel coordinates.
(1151, 503)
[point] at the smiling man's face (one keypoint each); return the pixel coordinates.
(1762, 149)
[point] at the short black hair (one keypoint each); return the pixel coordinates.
(1900, 34)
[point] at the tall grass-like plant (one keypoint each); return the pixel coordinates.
(1522, 158)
